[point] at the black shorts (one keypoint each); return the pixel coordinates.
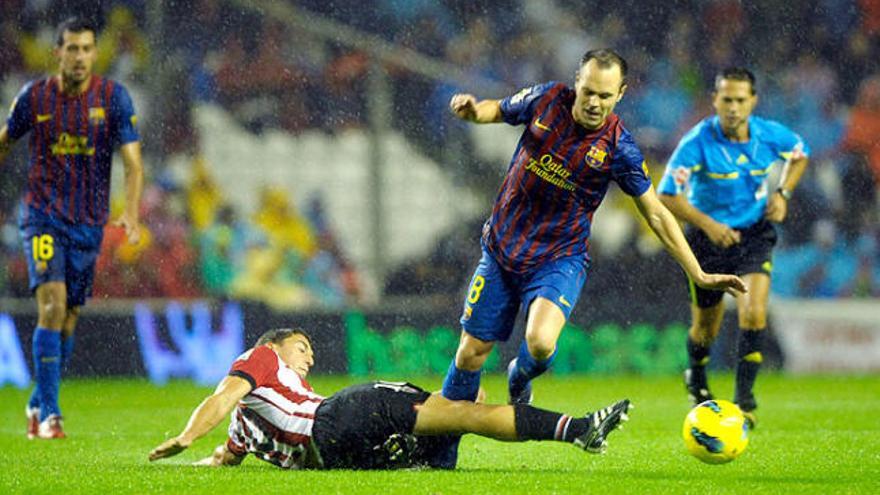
(753, 254)
(352, 425)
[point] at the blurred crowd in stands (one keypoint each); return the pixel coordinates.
(816, 62)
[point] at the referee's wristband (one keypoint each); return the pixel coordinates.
(785, 193)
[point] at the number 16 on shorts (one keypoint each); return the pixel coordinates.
(42, 247)
(42, 252)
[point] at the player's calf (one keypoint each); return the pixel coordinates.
(525, 367)
(589, 432)
(750, 359)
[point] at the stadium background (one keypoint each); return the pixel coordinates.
(303, 170)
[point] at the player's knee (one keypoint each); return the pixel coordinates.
(753, 317)
(470, 361)
(53, 311)
(701, 333)
(70, 319)
(540, 348)
(705, 328)
(471, 356)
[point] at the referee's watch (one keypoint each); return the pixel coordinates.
(785, 193)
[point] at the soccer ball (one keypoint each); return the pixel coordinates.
(715, 432)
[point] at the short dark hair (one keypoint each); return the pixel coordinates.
(74, 25)
(736, 74)
(605, 57)
(279, 335)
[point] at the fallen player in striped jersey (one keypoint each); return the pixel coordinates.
(277, 417)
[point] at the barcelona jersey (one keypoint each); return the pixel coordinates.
(72, 138)
(728, 180)
(556, 179)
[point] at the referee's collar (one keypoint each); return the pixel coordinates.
(715, 125)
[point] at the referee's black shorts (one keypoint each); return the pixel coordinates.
(352, 425)
(753, 254)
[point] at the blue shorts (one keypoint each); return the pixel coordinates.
(495, 295)
(58, 251)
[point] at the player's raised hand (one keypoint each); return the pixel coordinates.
(464, 106)
(168, 448)
(722, 235)
(731, 284)
(131, 226)
(777, 208)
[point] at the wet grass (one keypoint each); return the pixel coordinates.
(816, 435)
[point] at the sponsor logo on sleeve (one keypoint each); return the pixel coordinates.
(681, 175)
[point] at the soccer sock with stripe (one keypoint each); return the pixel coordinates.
(47, 370)
(698, 358)
(527, 368)
(751, 343)
(539, 424)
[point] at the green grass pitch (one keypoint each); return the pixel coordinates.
(816, 435)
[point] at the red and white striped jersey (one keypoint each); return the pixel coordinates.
(274, 421)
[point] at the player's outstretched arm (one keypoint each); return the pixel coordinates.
(668, 231)
(220, 457)
(134, 184)
(205, 417)
(466, 107)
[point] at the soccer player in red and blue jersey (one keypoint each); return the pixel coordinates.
(534, 245)
(75, 120)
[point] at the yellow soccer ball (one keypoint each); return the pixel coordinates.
(715, 432)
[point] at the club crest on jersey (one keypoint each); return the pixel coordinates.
(96, 113)
(595, 157)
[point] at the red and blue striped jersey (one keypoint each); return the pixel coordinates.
(71, 146)
(556, 179)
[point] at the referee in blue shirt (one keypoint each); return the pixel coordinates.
(717, 181)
